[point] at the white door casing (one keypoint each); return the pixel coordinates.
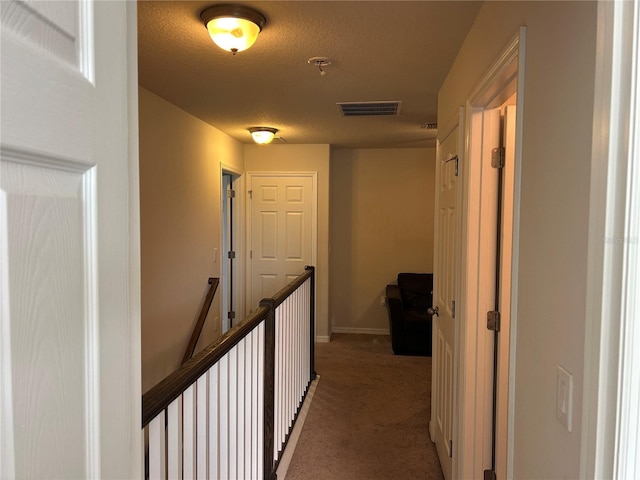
(281, 230)
(479, 187)
(69, 241)
(444, 291)
(610, 418)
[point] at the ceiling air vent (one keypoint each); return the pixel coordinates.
(369, 109)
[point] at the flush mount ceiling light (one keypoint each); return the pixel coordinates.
(263, 135)
(233, 27)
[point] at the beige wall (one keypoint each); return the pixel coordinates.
(303, 158)
(180, 226)
(556, 156)
(382, 203)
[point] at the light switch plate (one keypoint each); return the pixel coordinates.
(564, 397)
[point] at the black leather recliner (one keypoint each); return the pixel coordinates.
(409, 321)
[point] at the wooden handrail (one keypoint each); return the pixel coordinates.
(197, 330)
(283, 294)
(159, 397)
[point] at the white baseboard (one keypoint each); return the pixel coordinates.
(323, 338)
(365, 331)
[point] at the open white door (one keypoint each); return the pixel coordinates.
(69, 261)
(506, 265)
(228, 252)
(444, 294)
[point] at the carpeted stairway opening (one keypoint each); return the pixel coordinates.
(369, 418)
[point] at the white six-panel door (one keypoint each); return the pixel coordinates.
(69, 317)
(282, 231)
(444, 290)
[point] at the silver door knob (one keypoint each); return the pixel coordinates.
(433, 311)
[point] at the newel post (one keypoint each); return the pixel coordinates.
(269, 386)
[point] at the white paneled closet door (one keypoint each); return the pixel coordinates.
(282, 239)
(69, 294)
(444, 290)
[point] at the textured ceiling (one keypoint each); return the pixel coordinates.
(380, 51)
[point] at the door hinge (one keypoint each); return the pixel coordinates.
(493, 320)
(489, 475)
(450, 448)
(497, 157)
(453, 309)
(453, 159)
(231, 193)
(250, 192)
(231, 315)
(250, 253)
(231, 255)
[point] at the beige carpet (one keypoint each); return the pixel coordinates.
(369, 418)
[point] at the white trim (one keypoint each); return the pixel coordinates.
(363, 331)
(515, 248)
(495, 87)
(7, 439)
(136, 443)
(611, 433)
(323, 338)
(231, 170)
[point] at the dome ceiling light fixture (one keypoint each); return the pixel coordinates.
(233, 27)
(263, 135)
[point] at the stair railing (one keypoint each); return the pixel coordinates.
(228, 412)
(197, 330)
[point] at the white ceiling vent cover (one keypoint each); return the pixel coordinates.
(369, 109)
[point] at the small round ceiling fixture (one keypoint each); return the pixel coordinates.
(320, 62)
(233, 27)
(263, 135)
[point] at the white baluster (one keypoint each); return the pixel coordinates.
(214, 422)
(174, 439)
(233, 412)
(157, 454)
(189, 432)
(241, 409)
(223, 397)
(256, 430)
(290, 361)
(249, 388)
(295, 300)
(201, 427)
(278, 380)
(260, 409)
